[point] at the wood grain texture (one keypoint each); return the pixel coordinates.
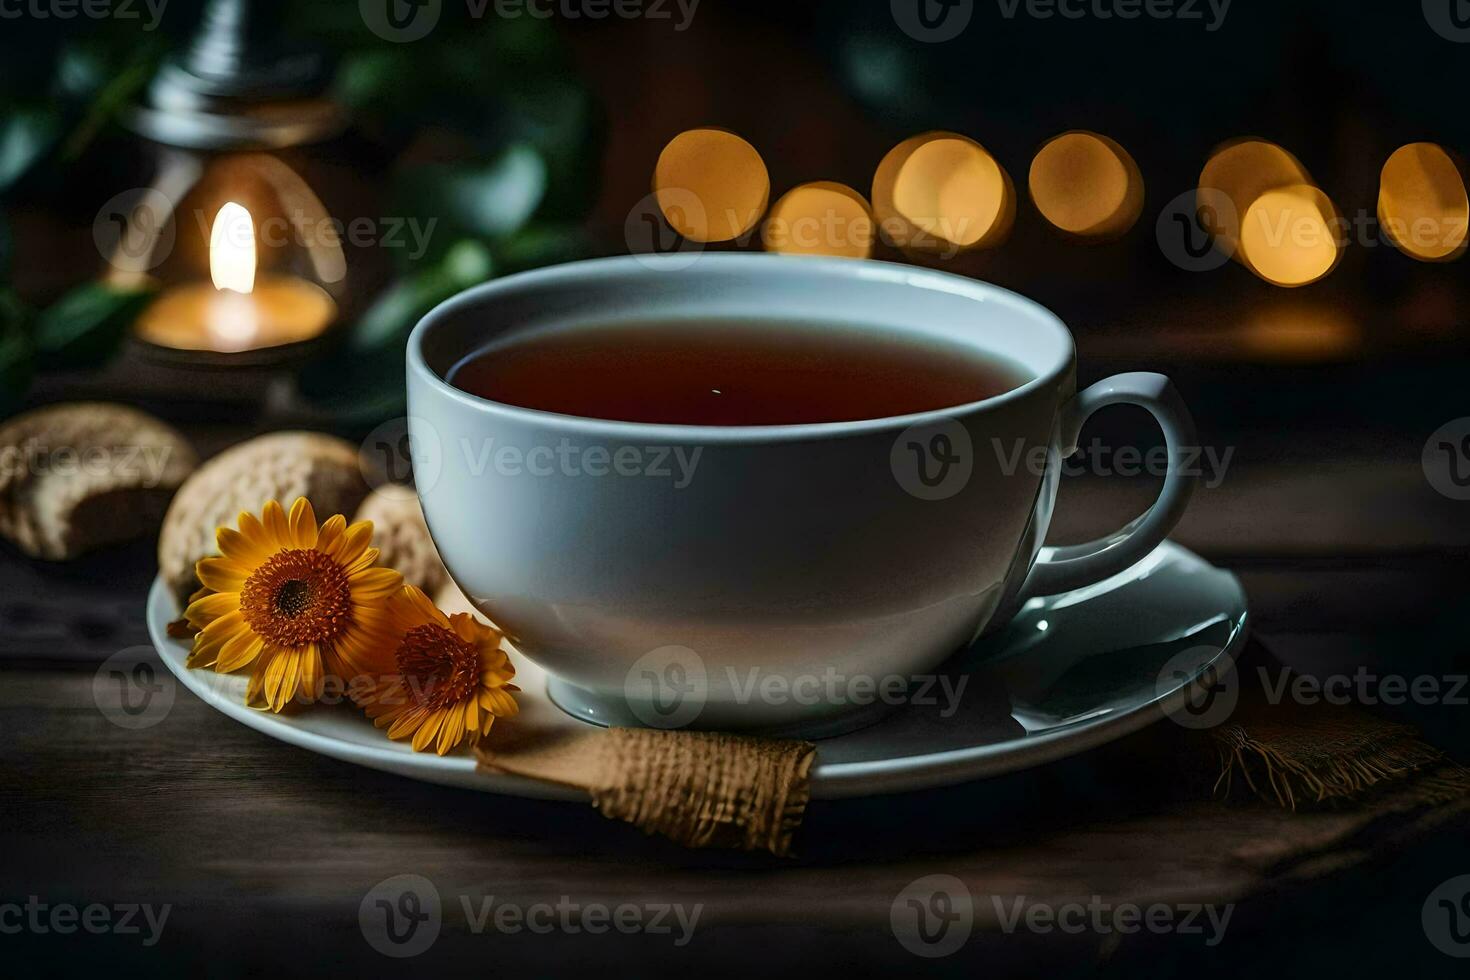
(265, 852)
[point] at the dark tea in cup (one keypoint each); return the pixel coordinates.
(732, 373)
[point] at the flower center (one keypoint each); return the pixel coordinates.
(439, 667)
(296, 597)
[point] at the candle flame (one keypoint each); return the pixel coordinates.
(232, 249)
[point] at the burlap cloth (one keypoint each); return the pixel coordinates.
(718, 790)
(1322, 754)
(702, 789)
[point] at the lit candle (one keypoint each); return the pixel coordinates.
(237, 310)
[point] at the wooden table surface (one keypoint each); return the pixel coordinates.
(264, 853)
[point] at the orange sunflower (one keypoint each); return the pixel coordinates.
(445, 681)
(294, 602)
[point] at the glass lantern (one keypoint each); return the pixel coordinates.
(239, 230)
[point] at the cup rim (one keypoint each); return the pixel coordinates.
(677, 264)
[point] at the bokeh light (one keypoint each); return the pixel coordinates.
(1422, 204)
(1086, 185)
(1298, 331)
(941, 193)
(1243, 170)
(722, 173)
(820, 218)
(1290, 235)
(1272, 217)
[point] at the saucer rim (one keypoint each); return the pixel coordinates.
(828, 780)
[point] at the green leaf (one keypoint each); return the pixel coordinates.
(88, 324)
(364, 379)
(488, 200)
(16, 358)
(104, 82)
(389, 320)
(539, 245)
(566, 126)
(7, 247)
(25, 136)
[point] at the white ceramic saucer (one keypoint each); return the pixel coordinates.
(1069, 673)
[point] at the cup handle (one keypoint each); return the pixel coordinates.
(1071, 567)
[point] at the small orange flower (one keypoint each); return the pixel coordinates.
(292, 601)
(444, 683)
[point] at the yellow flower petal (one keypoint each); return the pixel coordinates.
(302, 521)
(277, 528)
(410, 607)
(497, 701)
(206, 609)
(353, 541)
(235, 545)
(311, 676)
(328, 539)
(222, 574)
(471, 629)
(451, 731)
(254, 532)
(241, 651)
(424, 737)
(214, 636)
(277, 669)
(374, 584)
(407, 722)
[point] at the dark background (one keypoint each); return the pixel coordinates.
(1325, 513)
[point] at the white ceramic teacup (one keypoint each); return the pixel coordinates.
(774, 578)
